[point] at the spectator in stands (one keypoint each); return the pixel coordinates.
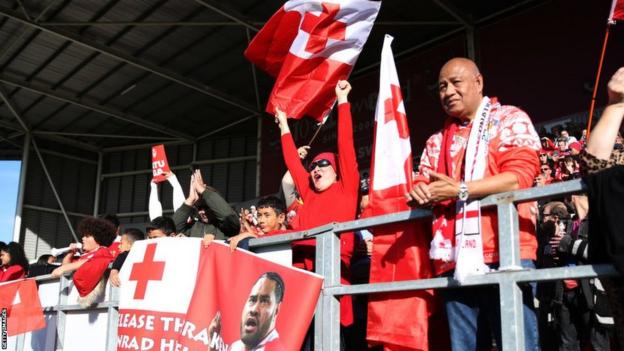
(271, 221)
(97, 234)
(568, 169)
(155, 207)
(161, 227)
(14, 262)
(329, 189)
(44, 265)
(575, 148)
(575, 304)
(128, 238)
(561, 151)
(548, 147)
(603, 163)
(211, 217)
(508, 160)
(565, 136)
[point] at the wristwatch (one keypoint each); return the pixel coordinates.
(462, 195)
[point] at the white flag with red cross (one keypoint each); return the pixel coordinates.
(177, 294)
(391, 164)
(308, 45)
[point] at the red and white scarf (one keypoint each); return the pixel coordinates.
(464, 244)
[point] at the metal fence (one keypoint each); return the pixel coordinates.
(327, 321)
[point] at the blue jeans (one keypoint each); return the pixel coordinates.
(474, 316)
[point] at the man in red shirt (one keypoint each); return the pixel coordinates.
(329, 189)
(464, 162)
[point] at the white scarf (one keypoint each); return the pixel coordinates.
(468, 237)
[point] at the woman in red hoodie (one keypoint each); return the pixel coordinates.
(14, 262)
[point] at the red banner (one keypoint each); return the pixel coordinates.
(19, 304)
(178, 295)
(159, 163)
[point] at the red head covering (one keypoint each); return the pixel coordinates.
(575, 145)
(329, 156)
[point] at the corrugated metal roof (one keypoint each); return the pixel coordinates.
(130, 58)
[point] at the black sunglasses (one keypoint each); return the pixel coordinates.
(321, 163)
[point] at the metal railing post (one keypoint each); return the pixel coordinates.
(64, 289)
(327, 321)
(113, 319)
(508, 237)
(512, 316)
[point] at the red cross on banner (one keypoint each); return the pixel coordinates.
(323, 27)
(143, 272)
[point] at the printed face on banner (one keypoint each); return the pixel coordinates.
(160, 166)
(208, 298)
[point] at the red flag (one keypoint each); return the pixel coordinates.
(617, 11)
(308, 45)
(20, 300)
(396, 320)
(159, 163)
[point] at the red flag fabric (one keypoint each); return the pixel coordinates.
(177, 294)
(396, 320)
(617, 11)
(20, 301)
(308, 45)
(159, 163)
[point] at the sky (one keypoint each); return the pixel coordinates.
(9, 180)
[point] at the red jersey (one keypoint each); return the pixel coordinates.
(13, 272)
(89, 274)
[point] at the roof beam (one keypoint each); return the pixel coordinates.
(454, 12)
(96, 108)
(229, 13)
(216, 23)
(111, 136)
(133, 61)
(13, 110)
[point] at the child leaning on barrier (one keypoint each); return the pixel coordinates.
(97, 234)
(128, 238)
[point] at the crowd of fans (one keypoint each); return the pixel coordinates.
(572, 313)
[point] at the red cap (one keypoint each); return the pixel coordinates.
(329, 156)
(575, 146)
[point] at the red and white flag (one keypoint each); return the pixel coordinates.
(308, 45)
(177, 294)
(617, 11)
(20, 305)
(398, 321)
(391, 173)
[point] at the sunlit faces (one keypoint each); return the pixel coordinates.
(269, 220)
(89, 243)
(460, 87)
(260, 312)
(5, 258)
(323, 176)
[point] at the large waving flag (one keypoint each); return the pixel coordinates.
(398, 321)
(308, 45)
(617, 11)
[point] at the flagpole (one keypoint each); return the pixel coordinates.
(600, 63)
(321, 125)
